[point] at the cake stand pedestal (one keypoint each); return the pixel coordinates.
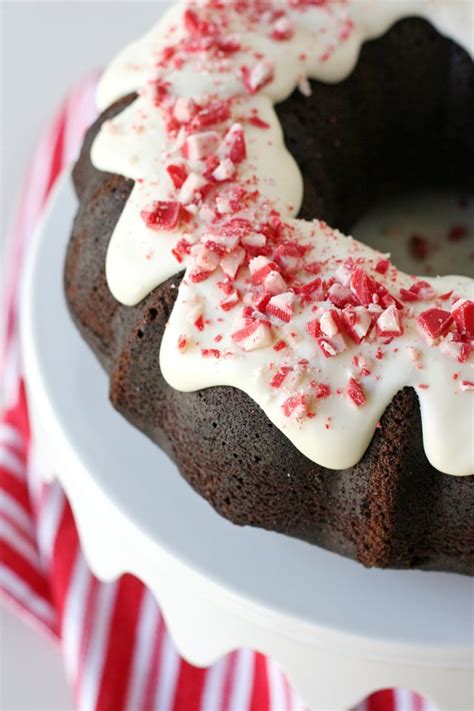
(339, 631)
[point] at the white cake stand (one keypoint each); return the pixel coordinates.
(338, 630)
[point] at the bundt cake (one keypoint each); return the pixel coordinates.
(299, 380)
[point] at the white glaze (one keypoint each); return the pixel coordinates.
(136, 144)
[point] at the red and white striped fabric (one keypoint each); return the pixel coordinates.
(117, 651)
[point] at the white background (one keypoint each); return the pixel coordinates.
(45, 47)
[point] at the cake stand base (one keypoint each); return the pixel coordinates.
(338, 630)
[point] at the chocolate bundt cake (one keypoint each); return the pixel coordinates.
(299, 380)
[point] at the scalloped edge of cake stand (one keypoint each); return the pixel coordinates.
(205, 619)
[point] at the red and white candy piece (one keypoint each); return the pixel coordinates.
(233, 145)
(195, 315)
(214, 113)
(204, 263)
(343, 274)
(230, 301)
(220, 243)
(191, 187)
(178, 174)
(463, 314)
(340, 296)
(224, 171)
(296, 407)
(282, 30)
(455, 347)
(274, 283)
(162, 215)
(357, 322)
(433, 323)
(389, 323)
(382, 266)
(200, 145)
(184, 110)
(329, 346)
(363, 287)
(260, 267)
(183, 343)
(419, 291)
(253, 335)
(231, 262)
(280, 306)
(258, 76)
(355, 392)
(280, 376)
(289, 256)
(329, 323)
(321, 390)
(196, 26)
(254, 239)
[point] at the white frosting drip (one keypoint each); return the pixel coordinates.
(351, 430)
(136, 144)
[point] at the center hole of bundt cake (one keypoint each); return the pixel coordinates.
(387, 154)
(426, 232)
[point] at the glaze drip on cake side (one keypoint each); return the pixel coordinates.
(318, 329)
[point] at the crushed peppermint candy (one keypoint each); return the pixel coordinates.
(434, 323)
(297, 299)
(258, 76)
(162, 215)
(355, 392)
